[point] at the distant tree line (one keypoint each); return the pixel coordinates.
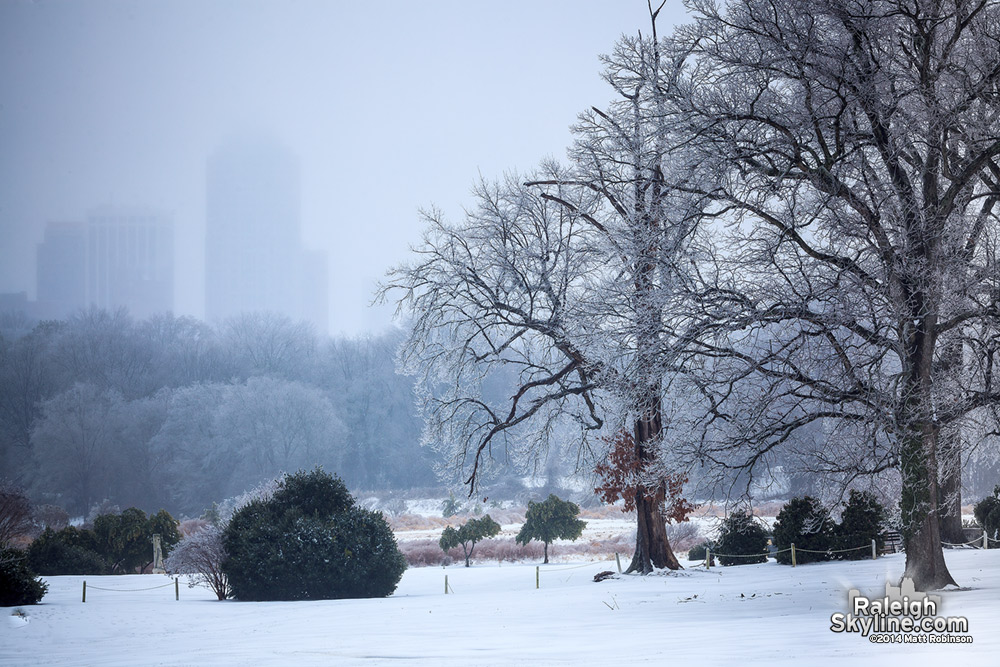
(171, 412)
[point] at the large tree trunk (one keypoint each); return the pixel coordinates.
(918, 462)
(921, 533)
(652, 547)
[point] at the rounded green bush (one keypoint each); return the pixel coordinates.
(862, 521)
(68, 551)
(18, 584)
(742, 540)
(697, 552)
(310, 542)
(805, 523)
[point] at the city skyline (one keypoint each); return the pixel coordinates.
(391, 108)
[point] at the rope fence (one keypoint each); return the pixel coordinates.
(979, 542)
(175, 583)
(576, 567)
(832, 551)
(773, 552)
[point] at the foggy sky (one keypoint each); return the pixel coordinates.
(390, 106)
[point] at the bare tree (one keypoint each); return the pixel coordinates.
(15, 512)
(265, 343)
(580, 279)
(200, 556)
(74, 442)
(857, 146)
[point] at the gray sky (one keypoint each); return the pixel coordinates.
(389, 105)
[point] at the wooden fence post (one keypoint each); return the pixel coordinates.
(177, 589)
(537, 577)
(85, 589)
(618, 560)
(793, 554)
(446, 584)
(873, 549)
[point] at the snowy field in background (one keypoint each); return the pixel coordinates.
(750, 615)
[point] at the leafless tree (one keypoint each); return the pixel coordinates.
(857, 148)
(200, 556)
(265, 343)
(579, 279)
(15, 512)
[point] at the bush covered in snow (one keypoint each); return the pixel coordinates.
(310, 541)
(805, 523)
(742, 540)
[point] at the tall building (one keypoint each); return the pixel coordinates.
(254, 258)
(61, 270)
(117, 258)
(130, 261)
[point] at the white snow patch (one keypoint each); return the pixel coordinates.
(765, 614)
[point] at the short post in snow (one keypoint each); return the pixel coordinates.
(446, 584)
(85, 589)
(619, 561)
(537, 577)
(708, 557)
(177, 589)
(873, 549)
(793, 554)
(986, 540)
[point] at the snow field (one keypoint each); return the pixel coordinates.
(762, 614)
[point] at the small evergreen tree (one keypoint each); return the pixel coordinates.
(805, 523)
(553, 519)
(987, 513)
(18, 584)
(862, 521)
(742, 540)
(468, 534)
(450, 506)
(125, 540)
(166, 527)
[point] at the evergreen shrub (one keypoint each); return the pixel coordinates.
(18, 584)
(987, 513)
(742, 540)
(67, 551)
(805, 523)
(863, 520)
(310, 541)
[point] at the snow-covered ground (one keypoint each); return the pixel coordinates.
(764, 614)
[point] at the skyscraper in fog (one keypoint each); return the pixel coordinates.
(130, 261)
(117, 258)
(254, 258)
(61, 278)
